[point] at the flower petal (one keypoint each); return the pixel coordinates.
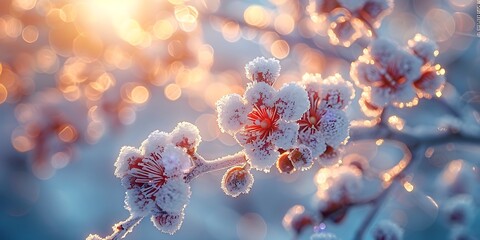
(314, 140)
(261, 154)
(285, 135)
(260, 94)
(167, 222)
(232, 113)
(175, 160)
(154, 144)
(173, 196)
(125, 159)
(334, 126)
(291, 102)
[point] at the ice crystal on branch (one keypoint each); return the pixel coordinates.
(154, 175)
(389, 74)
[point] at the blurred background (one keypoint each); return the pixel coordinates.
(79, 79)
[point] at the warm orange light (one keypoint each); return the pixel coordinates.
(173, 92)
(140, 94)
(3, 93)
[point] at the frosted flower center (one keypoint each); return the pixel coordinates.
(263, 121)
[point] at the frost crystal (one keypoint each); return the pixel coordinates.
(237, 180)
(389, 74)
(387, 230)
(263, 70)
(154, 175)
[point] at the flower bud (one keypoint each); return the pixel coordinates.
(167, 222)
(237, 180)
(284, 165)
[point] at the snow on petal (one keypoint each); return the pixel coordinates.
(423, 48)
(173, 196)
(155, 143)
(125, 159)
(167, 222)
(259, 94)
(261, 69)
(404, 65)
(382, 50)
(336, 92)
(379, 96)
(261, 154)
(430, 82)
(291, 102)
(301, 158)
(232, 113)
(334, 125)
(315, 141)
(285, 135)
(404, 95)
(175, 160)
(186, 135)
(137, 204)
(365, 74)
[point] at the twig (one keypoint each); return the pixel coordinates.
(204, 166)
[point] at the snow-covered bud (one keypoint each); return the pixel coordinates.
(387, 230)
(297, 219)
(187, 136)
(459, 210)
(284, 165)
(261, 69)
(237, 180)
(299, 158)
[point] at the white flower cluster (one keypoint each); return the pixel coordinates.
(154, 175)
(389, 74)
(304, 118)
